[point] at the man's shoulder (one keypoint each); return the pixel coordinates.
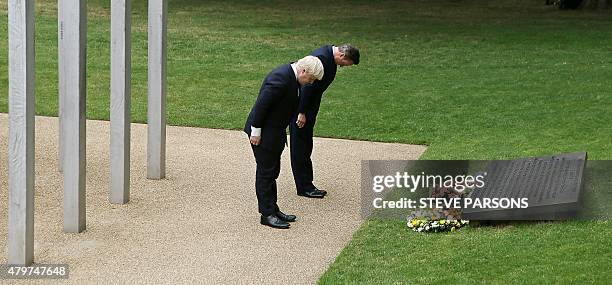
(281, 71)
(326, 55)
(282, 75)
(324, 51)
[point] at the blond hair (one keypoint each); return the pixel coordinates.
(312, 65)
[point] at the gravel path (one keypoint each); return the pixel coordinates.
(200, 225)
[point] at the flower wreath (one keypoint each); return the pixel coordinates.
(437, 220)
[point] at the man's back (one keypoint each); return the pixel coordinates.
(312, 93)
(275, 105)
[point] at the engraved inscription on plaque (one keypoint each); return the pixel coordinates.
(551, 184)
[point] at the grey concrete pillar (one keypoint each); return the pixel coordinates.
(120, 101)
(156, 113)
(21, 132)
(62, 61)
(60, 135)
(73, 40)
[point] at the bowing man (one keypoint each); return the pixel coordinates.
(266, 127)
(302, 126)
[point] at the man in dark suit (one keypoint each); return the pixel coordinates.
(302, 126)
(275, 106)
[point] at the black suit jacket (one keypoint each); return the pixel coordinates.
(275, 106)
(311, 94)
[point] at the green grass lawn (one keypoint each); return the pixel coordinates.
(384, 252)
(471, 79)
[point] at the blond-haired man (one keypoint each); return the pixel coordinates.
(276, 104)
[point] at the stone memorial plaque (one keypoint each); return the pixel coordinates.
(552, 186)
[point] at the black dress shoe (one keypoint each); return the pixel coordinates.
(322, 191)
(316, 193)
(286, 218)
(274, 221)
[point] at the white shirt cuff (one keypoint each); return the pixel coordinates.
(255, 132)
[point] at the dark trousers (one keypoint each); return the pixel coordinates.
(301, 149)
(268, 169)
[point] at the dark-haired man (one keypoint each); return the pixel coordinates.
(302, 126)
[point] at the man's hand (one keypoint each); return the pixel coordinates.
(255, 140)
(301, 120)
